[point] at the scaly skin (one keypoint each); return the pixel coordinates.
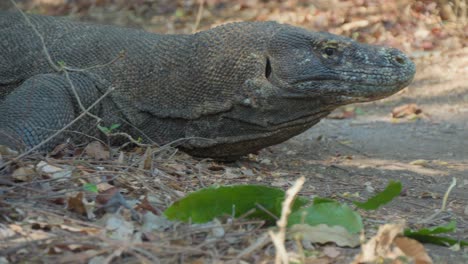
(228, 91)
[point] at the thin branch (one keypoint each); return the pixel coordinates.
(199, 15)
(444, 203)
(41, 38)
(279, 237)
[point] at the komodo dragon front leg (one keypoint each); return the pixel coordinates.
(49, 94)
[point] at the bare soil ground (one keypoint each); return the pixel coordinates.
(344, 157)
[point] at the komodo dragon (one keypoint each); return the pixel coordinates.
(227, 92)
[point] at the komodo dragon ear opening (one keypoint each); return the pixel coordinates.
(267, 68)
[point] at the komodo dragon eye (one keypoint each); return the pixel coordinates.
(330, 51)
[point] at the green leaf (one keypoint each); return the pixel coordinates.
(428, 235)
(114, 126)
(359, 111)
(104, 129)
(90, 187)
(450, 227)
(392, 190)
(61, 63)
(318, 200)
(179, 13)
(327, 212)
(206, 204)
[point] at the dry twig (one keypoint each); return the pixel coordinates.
(279, 237)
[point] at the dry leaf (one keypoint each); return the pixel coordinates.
(413, 249)
(104, 196)
(83, 230)
(146, 205)
(52, 171)
(121, 158)
(59, 150)
(97, 151)
(147, 160)
(6, 151)
(24, 173)
(80, 205)
(388, 244)
(407, 110)
(323, 233)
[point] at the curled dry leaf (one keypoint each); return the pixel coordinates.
(413, 249)
(407, 110)
(59, 150)
(147, 160)
(80, 205)
(6, 151)
(52, 171)
(389, 244)
(24, 174)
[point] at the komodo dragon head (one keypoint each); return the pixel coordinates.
(313, 64)
(289, 81)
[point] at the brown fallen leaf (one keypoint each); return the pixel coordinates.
(52, 171)
(147, 206)
(6, 151)
(147, 160)
(96, 150)
(80, 205)
(389, 244)
(25, 174)
(413, 249)
(60, 150)
(407, 110)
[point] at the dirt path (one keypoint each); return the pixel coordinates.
(347, 155)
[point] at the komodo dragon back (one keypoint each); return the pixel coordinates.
(220, 93)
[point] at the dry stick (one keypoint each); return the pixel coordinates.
(77, 97)
(259, 243)
(279, 237)
(44, 48)
(199, 15)
(444, 203)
